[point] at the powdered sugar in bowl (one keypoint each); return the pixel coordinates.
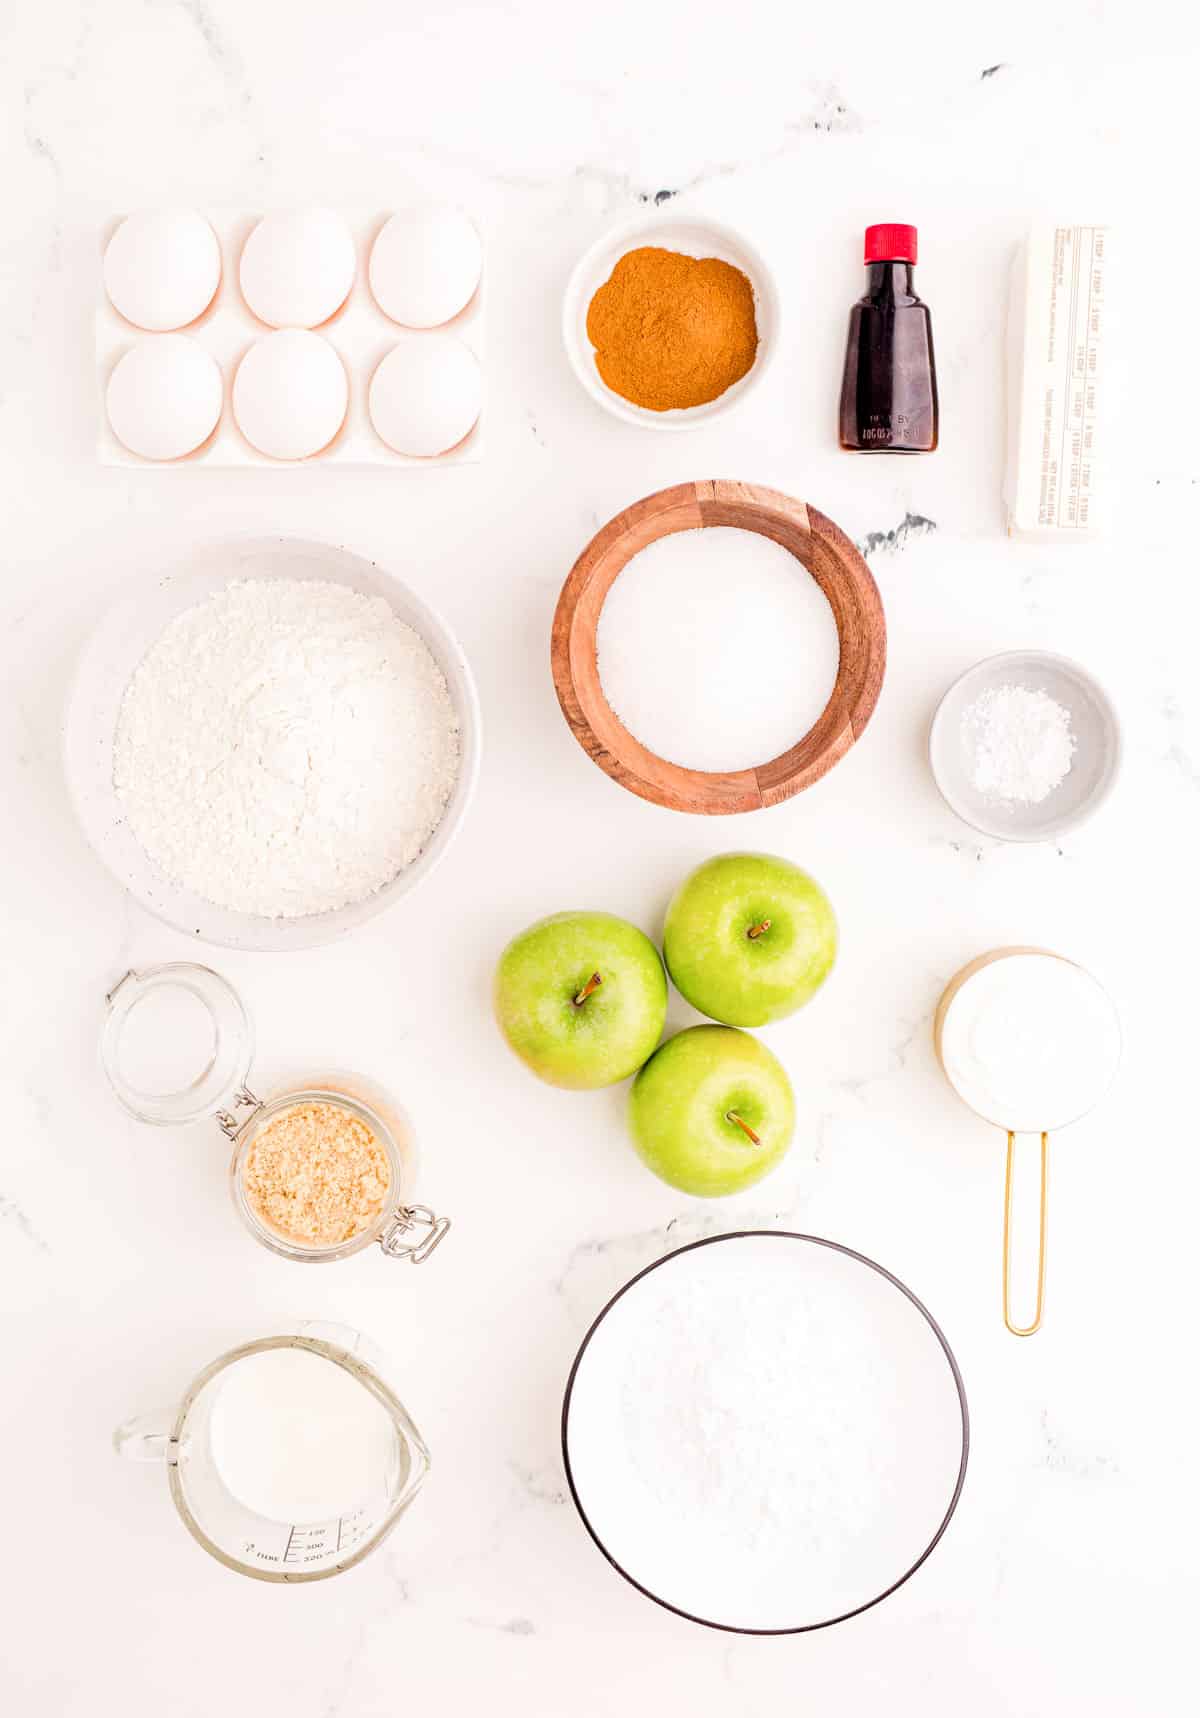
(1025, 746)
(765, 1432)
(271, 742)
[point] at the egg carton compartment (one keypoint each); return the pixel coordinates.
(359, 332)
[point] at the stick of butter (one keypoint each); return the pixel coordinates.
(1057, 385)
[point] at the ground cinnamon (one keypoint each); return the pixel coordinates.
(672, 331)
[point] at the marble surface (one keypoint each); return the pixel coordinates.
(1066, 1583)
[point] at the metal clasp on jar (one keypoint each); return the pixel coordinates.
(228, 1123)
(418, 1221)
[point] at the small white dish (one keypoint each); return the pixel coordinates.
(114, 651)
(1094, 766)
(690, 235)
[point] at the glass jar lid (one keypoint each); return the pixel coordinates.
(177, 1043)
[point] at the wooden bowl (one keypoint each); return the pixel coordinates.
(818, 545)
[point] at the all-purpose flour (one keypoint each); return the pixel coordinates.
(286, 747)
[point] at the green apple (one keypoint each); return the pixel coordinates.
(581, 997)
(749, 938)
(712, 1111)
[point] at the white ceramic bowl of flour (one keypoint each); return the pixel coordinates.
(134, 625)
(765, 1432)
(967, 719)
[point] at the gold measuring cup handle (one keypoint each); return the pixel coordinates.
(1026, 1329)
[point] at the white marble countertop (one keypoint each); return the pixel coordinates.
(1066, 1582)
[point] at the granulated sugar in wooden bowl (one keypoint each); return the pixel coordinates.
(701, 675)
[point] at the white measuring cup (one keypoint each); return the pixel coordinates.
(361, 1469)
(1025, 1068)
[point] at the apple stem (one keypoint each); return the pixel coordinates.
(757, 930)
(732, 1115)
(593, 983)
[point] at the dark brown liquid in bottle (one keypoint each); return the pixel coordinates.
(889, 386)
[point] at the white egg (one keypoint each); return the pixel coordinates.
(290, 394)
(162, 268)
(164, 397)
(298, 267)
(425, 266)
(426, 394)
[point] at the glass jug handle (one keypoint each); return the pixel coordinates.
(147, 1437)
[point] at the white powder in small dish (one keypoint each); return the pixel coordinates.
(285, 747)
(1020, 744)
(717, 649)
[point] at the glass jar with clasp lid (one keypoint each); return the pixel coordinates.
(320, 1170)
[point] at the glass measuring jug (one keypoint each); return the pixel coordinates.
(1031, 1042)
(182, 1002)
(353, 1460)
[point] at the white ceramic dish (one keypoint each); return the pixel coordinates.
(359, 332)
(115, 650)
(692, 236)
(1094, 766)
(874, 1451)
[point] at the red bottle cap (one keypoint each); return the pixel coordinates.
(892, 241)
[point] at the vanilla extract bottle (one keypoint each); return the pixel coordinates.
(889, 384)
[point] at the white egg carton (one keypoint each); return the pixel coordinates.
(360, 333)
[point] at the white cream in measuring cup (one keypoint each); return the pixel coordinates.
(297, 1440)
(1031, 1042)
(319, 1170)
(289, 1458)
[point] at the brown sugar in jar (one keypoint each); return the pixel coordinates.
(321, 1170)
(316, 1174)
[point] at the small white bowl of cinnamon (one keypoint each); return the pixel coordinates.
(670, 320)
